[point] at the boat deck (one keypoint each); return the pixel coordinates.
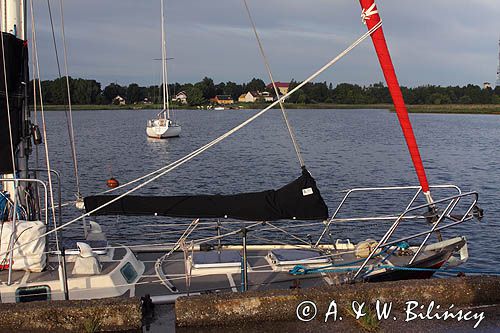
(125, 273)
(262, 274)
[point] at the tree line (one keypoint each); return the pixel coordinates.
(84, 92)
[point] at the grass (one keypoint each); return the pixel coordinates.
(92, 325)
(369, 321)
(456, 108)
(445, 108)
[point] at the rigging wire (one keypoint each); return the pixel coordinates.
(69, 115)
(164, 170)
(10, 248)
(35, 113)
(282, 107)
(44, 128)
(173, 165)
(72, 135)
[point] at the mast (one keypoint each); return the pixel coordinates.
(13, 22)
(371, 17)
(497, 84)
(166, 106)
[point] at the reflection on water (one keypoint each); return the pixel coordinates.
(342, 149)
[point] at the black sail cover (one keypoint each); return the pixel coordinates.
(16, 55)
(299, 200)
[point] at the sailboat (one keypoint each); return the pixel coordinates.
(163, 126)
(235, 257)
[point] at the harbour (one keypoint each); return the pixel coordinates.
(270, 214)
(268, 162)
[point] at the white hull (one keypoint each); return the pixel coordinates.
(163, 131)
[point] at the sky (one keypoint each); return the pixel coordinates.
(439, 42)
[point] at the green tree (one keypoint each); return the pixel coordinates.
(207, 87)
(233, 89)
(465, 99)
(113, 90)
(134, 93)
(255, 85)
(195, 96)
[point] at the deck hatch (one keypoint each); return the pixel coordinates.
(284, 257)
(216, 259)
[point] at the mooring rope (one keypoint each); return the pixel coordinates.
(443, 270)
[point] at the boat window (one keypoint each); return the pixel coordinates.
(128, 272)
(30, 294)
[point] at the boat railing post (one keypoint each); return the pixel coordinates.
(60, 202)
(244, 264)
(447, 211)
(59, 199)
(64, 274)
(219, 245)
(12, 240)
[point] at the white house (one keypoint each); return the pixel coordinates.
(118, 100)
(267, 97)
(180, 97)
(249, 97)
(252, 96)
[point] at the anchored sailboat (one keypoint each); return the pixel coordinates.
(36, 268)
(163, 126)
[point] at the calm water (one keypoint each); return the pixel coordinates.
(342, 149)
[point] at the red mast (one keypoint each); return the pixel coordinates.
(371, 17)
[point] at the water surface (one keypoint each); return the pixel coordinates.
(342, 149)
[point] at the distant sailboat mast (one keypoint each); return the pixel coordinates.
(371, 18)
(163, 126)
(166, 106)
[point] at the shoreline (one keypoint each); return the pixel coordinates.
(436, 109)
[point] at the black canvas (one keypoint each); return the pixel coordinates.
(299, 200)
